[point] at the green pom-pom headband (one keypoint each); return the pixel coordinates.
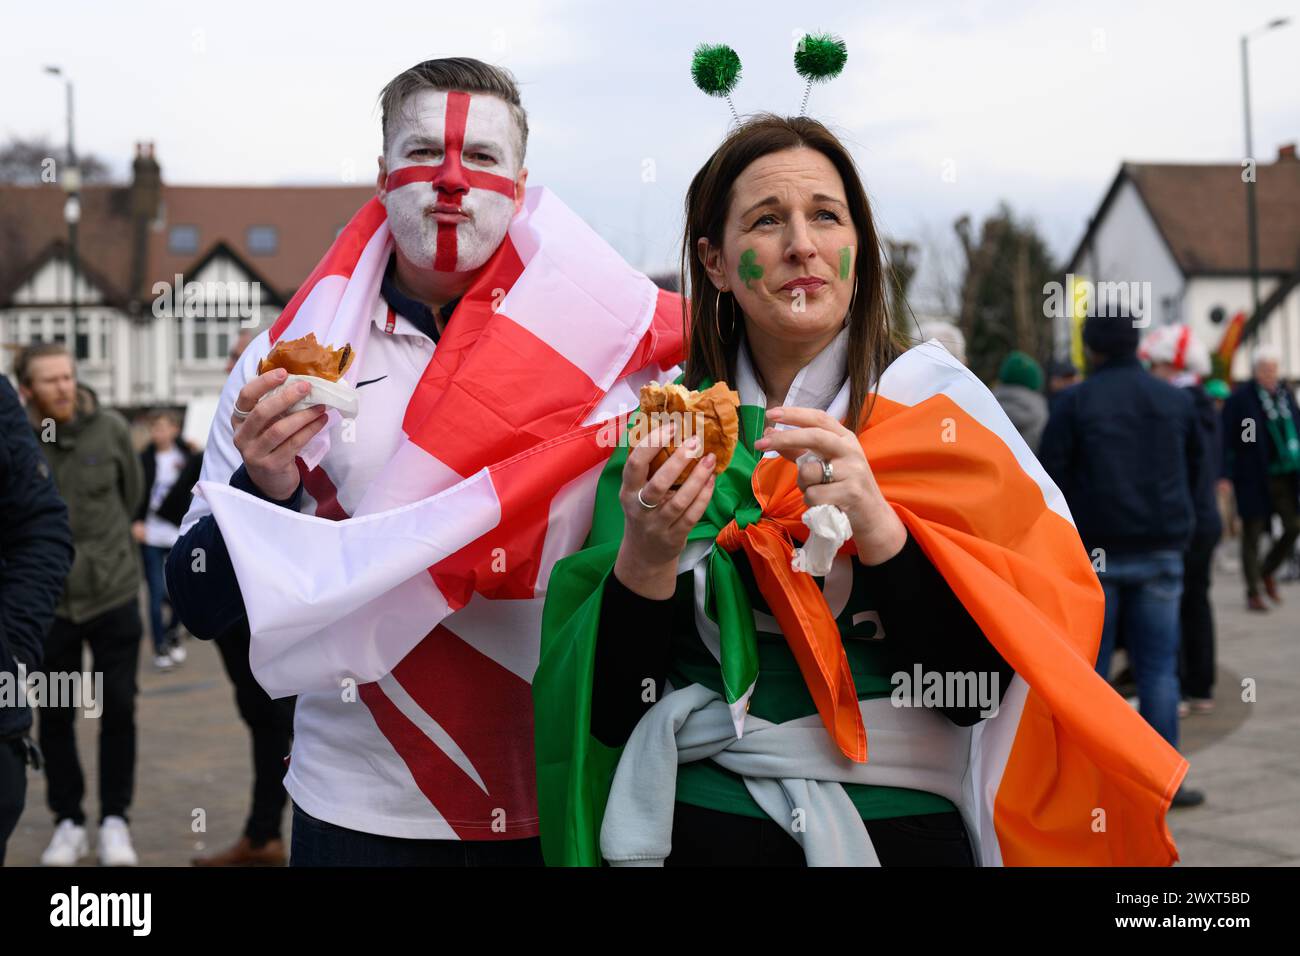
(716, 70)
(817, 58)
(715, 67)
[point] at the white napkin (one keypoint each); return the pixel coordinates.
(828, 529)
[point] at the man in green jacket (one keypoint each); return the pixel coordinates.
(99, 476)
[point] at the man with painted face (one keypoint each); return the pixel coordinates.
(425, 758)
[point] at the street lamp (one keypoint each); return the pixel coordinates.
(1251, 225)
(71, 180)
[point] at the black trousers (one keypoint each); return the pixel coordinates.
(1197, 651)
(13, 788)
(317, 843)
(704, 837)
(114, 639)
(270, 722)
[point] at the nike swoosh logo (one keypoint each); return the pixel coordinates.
(369, 381)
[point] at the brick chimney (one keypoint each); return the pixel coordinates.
(146, 198)
(1286, 153)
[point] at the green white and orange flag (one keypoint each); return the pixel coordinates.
(1066, 773)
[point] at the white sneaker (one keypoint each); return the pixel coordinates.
(115, 843)
(67, 847)
(177, 654)
(163, 662)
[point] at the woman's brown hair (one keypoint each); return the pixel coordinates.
(709, 354)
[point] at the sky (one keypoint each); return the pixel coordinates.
(949, 108)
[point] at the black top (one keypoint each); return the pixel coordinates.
(36, 551)
(1125, 449)
(915, 603)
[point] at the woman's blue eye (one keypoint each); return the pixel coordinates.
(759, 220)
(827, 212)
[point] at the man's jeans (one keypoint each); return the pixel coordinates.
(1143, 596)
(114, 639)
(154, 559)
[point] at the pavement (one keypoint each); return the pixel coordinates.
(193, 774)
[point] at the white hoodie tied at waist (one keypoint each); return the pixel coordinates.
(787, 767)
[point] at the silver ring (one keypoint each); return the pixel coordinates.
(828, 473)
(240, 413)
(644, 504)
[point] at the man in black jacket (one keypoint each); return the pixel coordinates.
(1262, 457)
(1125, 449)
(35, 556)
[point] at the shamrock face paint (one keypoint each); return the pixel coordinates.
(787, 251)
(450, 190)
(749, 269)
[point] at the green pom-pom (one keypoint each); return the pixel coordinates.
(820, 56)
(715, 68)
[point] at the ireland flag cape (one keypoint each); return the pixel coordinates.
(1066, 773)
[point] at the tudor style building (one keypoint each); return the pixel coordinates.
(166, 277)
(1181, 227)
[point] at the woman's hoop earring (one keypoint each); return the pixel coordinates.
(717, 316)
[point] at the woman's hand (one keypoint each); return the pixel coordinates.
(137, 531)
(653, 538)
(877, 531)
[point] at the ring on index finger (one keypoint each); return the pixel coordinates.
(645, 504)
(240, 413)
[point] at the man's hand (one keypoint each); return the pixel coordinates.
(137, 531)
(269, 439)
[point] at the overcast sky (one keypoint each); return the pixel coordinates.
(1032, 103)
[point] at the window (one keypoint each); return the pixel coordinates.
(263, 240)
(183, 239)
(82, 347)
(200, 338)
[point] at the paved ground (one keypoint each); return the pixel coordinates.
(194, 754)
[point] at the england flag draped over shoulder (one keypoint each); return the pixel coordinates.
(551, 342)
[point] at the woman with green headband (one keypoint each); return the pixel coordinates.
(709, 695)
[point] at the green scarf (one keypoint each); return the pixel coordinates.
(1281, 428)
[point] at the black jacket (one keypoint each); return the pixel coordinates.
(1248, 450)
(1126, 450)
(1209, 523)
(35, 553)
(177, 500)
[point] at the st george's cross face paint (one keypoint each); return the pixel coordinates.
(452, 160)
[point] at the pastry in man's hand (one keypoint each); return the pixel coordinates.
(712, 415)
(321, 366)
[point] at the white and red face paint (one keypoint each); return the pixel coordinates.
(450, 191)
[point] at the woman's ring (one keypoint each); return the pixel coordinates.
(828, 473)
(240, 413)
(644, 504)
